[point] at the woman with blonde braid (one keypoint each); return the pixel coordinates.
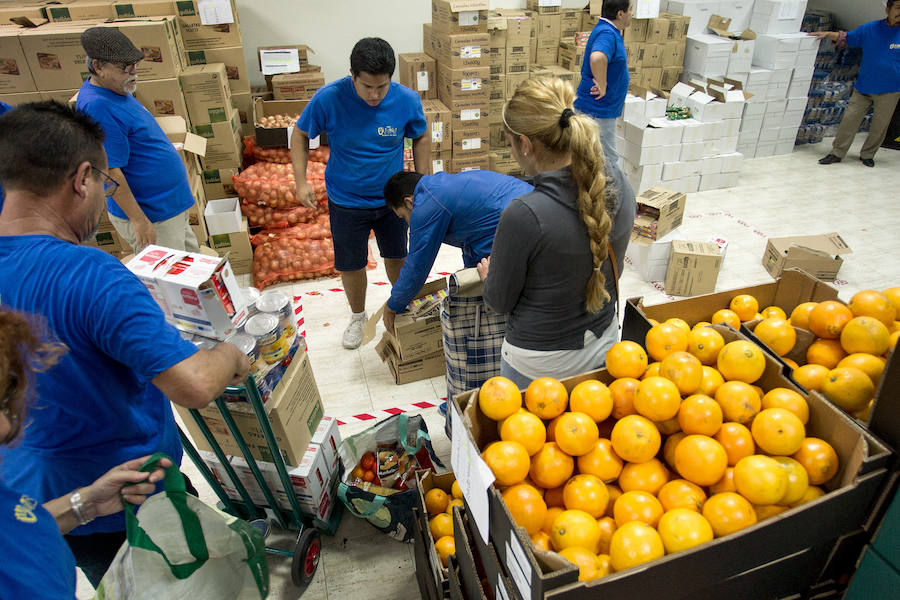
(551, 267)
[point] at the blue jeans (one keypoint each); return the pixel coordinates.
(607, 128)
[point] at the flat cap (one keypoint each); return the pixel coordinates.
(110, 44)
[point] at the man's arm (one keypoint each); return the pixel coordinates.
(144, 231)
(422, 154)
(299, 159)
(599, 64)
(834, 36)
(515, 239)
(200, 378)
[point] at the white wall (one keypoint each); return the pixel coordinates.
(332, 27)
(850, 14)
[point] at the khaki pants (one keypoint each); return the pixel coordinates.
(858, 107)
(173, 233)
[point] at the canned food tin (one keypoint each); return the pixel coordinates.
(251, 295)
(266, 328)
(204, 343)
(279, 304)
(247, 344)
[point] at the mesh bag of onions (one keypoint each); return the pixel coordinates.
(303, 251)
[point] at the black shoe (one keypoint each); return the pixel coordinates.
(868, 162)
(831, 158)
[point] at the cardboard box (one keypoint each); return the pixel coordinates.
(440, 162)
(235, 246)
(651, 258)
(206, 93)
(471, 162)
(29, 10)
(15, 74)
(108, 240)
(188, 145)
(296, 86)
(328, 436)
(460, 50)
(547, 29)
(570, 56)
(234, 61)
(195, 213)
(55, 56)
(460, 16)
(432, 575)
(437, 117)
(294, 409)
(819, 255)
(468, 85)
(143, 8)
(80, 11)
(693, 268)
(198, 36)
(465, 144)
(659, 212)
(219, 183)
(21, 98)
(160, 40)
(544, 7)
(407, 371)
(418, 72)
(274, 136)
(243, 105)
(163, 97)
(223, 143)
(223, 216)
(498, 87)
(283, 59)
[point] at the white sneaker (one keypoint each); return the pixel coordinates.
(353, 335)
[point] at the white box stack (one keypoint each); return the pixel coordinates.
(777, 16)
(739, 11)
(698, 10)
(707, 55)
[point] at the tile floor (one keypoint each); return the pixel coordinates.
(777, 196)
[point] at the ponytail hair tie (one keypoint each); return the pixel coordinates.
(567, 114)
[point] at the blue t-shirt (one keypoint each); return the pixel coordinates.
(37, 561)
(97, 407)
(879, 71)
(366, 142)
(461, 210)
(607, 39)
(136, 144)
(4, 107)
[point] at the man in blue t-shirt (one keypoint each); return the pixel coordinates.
(366, 117)
(105, 401)
(604, 74)
(878, 85)
(461, 210)
(153, 199)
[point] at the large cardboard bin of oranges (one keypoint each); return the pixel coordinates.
(694, 483)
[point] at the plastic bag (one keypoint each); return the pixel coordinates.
(272, 184)
(179, 547)
(300, 252)
(271, 218)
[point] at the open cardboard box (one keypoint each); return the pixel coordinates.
(819, 255)
(427, 480)
(275, 136)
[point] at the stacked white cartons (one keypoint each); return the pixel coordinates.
(638, 109)
(771, 128)
(706, 55)
(644, 145)
(778, 51)
(779, 82)
(739, 11)
(790, 124)
(751, 126)
(740, 61)
(777, 16)
(698, 10)
(758, 81)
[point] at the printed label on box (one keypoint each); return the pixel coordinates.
(543, 3)
(437, 132)
(470, 114)
(437, 166)
(471, 84)
(468, 18)
(422, 81)
(471, 143)
(470, 52)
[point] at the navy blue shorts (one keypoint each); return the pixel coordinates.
(350, 231)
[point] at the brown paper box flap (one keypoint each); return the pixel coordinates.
(719, 26)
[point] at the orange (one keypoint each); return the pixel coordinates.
(626, 359)
(819, 459)
(827, 353)
(700, 459)
(456, 491)
(797, 480)
(895, 335)
(865, 334)
(727, 317)
(652, 370)
(679, 323)
(780, 397)
(551, 428)
(585, 560)
(502, 421)
(726, 484)
(871, 365)
(635, 439)
(812, 492)
(700, 324)
(441, 525)
(498, 398)
(769, 511)
(700, 414)
(647, 476)
(664, 339)
(893, 294)
(790, 362)
(778, 431)
(614, 493)
(739, 401)
(684, 370)
(508, 461)
(607, 528)
(669, 426)
(737, 441)
(742, 361)
(777, 334)
(455, 502)
(828, 318)
(773, 312)
(637, 506)
(445, 547)
(525, 428)
(604, 565)
(436, 501)
(541, 541)
(744, 306)
(575, 528)
(728, 512)
(657, 399)
(681, 529)
(587, 493)
(869, 303)
(546, 397)
(526, 506)
(554, 497)
(669, 447)
(800, 315)
(681, 493)
(711, 381)
(705, 343)
(623, 391)
(576, 433)
(849, 388)
(592, 398)
(760, 479)
(811, 377)
(551, 467)
(634, 544)
(601, 461)
(550, 516)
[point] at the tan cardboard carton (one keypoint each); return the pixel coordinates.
(638, 31)
(470, 116)
(243, 105)
(206, 93)
(163, 97)
(547, 29)
(460, 50)
(159, 38)
(223, 143)
(195, 214)
(234, 61)
(274, 136)
(439, 129)
(29, 10)
(472, 162)
(407, 371)
(659, 212)
(498, 87)
(440, 162)
(571, 56)
(570, 23)
(460, 16)
(296, 86)
(21, 98)
(15, 75)
(62, 96)
(546, 56)
(518, 62)
(518, 29)
(544, 7)
(467, 85)
(219, 183)
(80, 11)
(198, 36)
(513, 80)
(466, 144)
(497, 31)
(418, 72)
(236, 246)
(693, 268)
(55, 56)
(818, 255)
(143, 8)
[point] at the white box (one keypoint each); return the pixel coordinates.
(646, 9)
(777, 92)
(795, 104)
(693, 131)
(777, 16)
(145, 265)
(634, 108)
(754, 110)
(741, 57)
(706, 46)
(777, 51)
(705, 108)
(805, 59)
(788, 134)
(784, 147)
(640, 155)
(655, 108)
(686, 185)
(781, 76)
(679, 170)
(752, 124)
(765, 149)
(644, 135)
(726, 145)
(741, 76)
(649, 258)
(699, 11)
(732, 127)
(759, 77)
(747, 150)
(732, 162)
(739, 11)
(328, 437)
(776, 107)
(802, 74)
(793, 118)
(799, 88)
(748, 138)
(219, 472)
(717, 130)
(710, 182)
(642, 177)
(729, 180)
(694, 151)
(711, 165)
(223, 216)
(769, 136)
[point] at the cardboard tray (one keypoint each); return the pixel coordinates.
(478, 563)
(424, 577)
(426, 480)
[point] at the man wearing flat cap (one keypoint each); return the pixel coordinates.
(152, 201)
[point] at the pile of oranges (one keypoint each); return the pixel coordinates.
(439, 505)
(666, 456)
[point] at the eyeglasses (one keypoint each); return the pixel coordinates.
(110, 185)
(126, 67)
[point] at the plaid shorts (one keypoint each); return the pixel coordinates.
(473, 335)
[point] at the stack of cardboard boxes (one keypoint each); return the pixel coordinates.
(656, 50)
(289, 74)
(418, 71)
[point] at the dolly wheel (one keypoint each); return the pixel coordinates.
(306, 557)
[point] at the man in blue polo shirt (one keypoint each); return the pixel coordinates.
(366, 117)
(152, 202)
(878, 85)
(604, 74)
(105, 401)
(461, 210)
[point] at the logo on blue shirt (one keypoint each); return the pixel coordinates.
(24, 511)
(387, 131)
